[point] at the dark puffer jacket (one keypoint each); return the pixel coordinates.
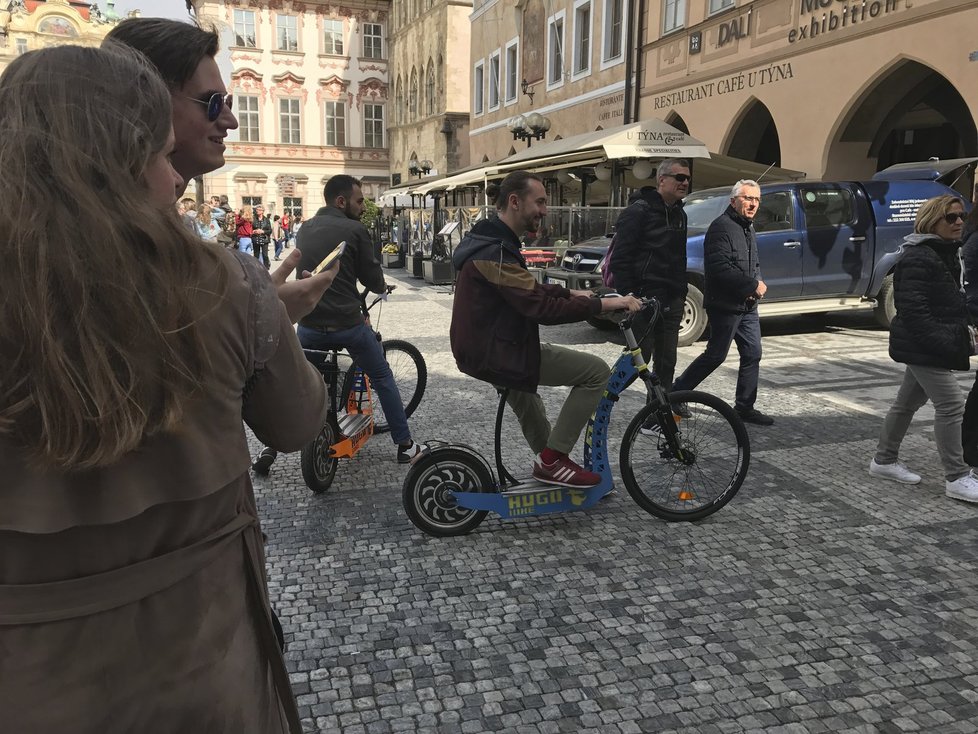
(730, 262)
(931, 325)
(649, 258)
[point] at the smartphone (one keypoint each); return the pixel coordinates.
(330, 258)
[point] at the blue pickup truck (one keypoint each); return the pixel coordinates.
(823, 246)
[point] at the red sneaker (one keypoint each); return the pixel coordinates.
(564, 473)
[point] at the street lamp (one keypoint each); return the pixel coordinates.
(529, 127)
(419, 168)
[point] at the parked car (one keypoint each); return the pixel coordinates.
(822, 245)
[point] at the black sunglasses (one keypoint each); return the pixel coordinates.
(953, 217)
(215, 104)
(680, 177)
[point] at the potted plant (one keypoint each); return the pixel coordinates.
(391, 256)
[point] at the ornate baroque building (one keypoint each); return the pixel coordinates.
(26, 25)
(311, 94)
(431, 81)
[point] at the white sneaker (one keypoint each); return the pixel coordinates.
(895, 471)
(964, 488)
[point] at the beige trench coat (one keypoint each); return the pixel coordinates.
(133, 598)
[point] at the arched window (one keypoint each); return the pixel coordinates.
(421, 87)
(429, 92)
(399, 107)
(413, 101)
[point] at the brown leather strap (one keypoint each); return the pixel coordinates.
(80, 597)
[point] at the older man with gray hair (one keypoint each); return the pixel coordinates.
(733, 287)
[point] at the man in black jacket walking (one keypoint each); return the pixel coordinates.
(649, 259)
(733, 287)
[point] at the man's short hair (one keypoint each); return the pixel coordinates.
(175, 48)
(741, 185)
(666, 166)
(517, 182)
(341, 185)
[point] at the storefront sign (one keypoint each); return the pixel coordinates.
(733, 83)
(736, 29)
(831, 18)
(611, 107)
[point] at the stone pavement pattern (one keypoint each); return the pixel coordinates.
(819, 600)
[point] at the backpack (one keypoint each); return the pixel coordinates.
(230, 223)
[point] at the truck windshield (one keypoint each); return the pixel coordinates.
(702, 207)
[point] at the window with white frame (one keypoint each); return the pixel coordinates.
(373, 40)
(512, 69)
(718, 5)
(21, 46)
(288, 116)
(478, 83)
(335, 123)
(582, 36)
(333, 36)
(244, 28)
(288, 33)
(494, 80)
(247, 112)
(292, 205)
(373, 125)
(673, 15)
(250, 201)
(555, 50)
(614, 30)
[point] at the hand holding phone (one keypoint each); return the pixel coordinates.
(330, 258)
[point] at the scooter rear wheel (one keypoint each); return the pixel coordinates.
(318, 467)
(428, 484)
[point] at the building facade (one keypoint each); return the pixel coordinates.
(835, 88)
(430, 120)
(26, 25)
(564, 59)
(312, 98)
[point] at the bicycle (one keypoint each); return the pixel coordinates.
(692, 464)
(355, 412)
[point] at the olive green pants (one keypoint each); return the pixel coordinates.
(587, 377)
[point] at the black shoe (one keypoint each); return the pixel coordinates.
(756, 417)
(264, 461)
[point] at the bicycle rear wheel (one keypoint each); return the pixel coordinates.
(410, 375)
(714, 456)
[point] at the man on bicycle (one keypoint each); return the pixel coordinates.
(337, 321)
(495, 330)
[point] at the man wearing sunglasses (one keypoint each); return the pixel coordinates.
(649, 259)
(184, 54)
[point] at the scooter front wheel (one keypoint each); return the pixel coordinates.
(429, 484)
(318, 467)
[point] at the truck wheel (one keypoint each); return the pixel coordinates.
(885, 305)
(693, 323)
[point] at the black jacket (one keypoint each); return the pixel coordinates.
(498, 306)
(930, 328)
(649, 258)
(339, 308)
(969, 254)
(730, 262)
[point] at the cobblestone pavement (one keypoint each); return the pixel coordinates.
(820, 599)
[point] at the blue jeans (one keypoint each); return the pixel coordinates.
(279, 246)
(361, 342)
(244, 244)
(726, 328)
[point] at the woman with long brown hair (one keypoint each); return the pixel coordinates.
(132, 590)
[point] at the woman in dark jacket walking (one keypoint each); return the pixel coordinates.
(932, 336)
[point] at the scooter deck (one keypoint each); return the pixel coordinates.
(533, 497)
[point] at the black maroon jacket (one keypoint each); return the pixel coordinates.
(498, 307)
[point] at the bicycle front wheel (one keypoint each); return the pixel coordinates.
(697, 472)
(410, 375)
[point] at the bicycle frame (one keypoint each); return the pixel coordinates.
(509, 500)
